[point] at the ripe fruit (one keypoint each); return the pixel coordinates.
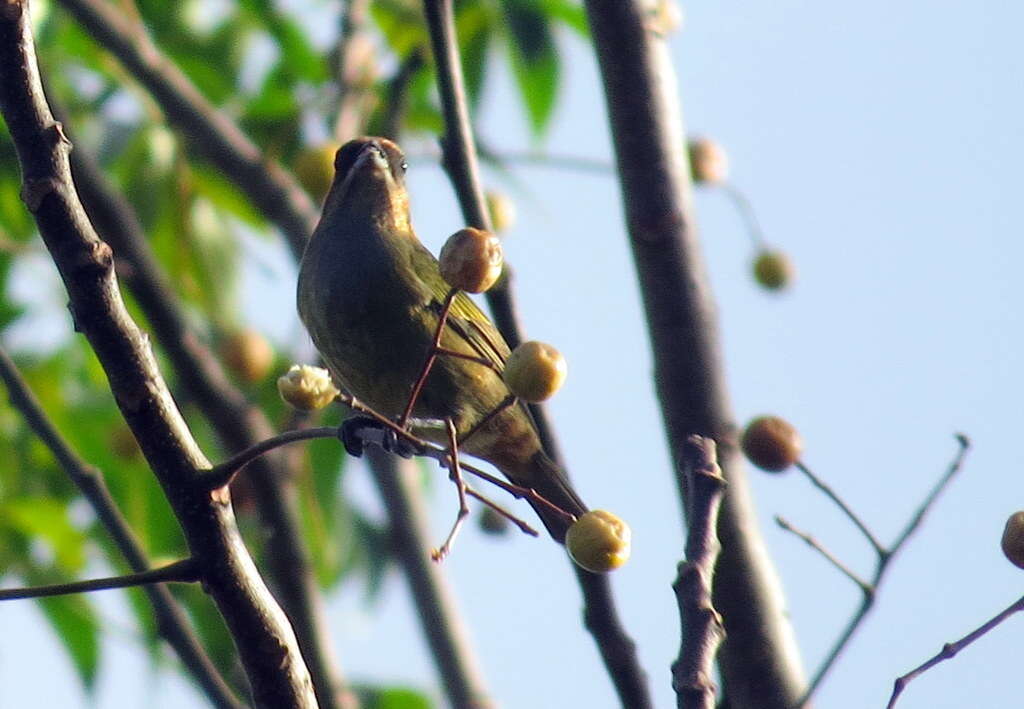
(599, 541)
(535, 371)
(248, 354)
(773, 269)
(771, 443)
(314, 168)
(307, 388)
(1013, 539)
(708, 162)
(471, 260)
(501, 209)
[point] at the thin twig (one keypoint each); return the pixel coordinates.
(884, 558)
(829, 556)
(747, 213)
(841, 504)
(185, 571)
(950, 650)
(223, 473)
(701, 627)
(455, 472)
(171, 622)
(428, 363)
(618, 651)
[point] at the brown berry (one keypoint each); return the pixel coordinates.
(773, 270)
(708, 162)
(771, 443)
(599, 541)
(1013, 539)
(535, 371)
(248, 354)
(471, 260)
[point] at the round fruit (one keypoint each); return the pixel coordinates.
(708, 162)
(535, 371)
(773, 270)
(493, 523)
(471, 260)
(599, 541)
(771, 443)
(1013, 539)
(307, 388)
(314, 168)
(248, 354)
(501, 209)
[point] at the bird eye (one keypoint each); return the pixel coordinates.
(404, 165)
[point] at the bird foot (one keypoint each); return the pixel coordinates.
(355, 432)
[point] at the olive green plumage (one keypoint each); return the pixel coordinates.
(370, 295)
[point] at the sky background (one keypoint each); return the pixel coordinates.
(880, 144)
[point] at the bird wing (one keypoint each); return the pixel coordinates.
(465, 319)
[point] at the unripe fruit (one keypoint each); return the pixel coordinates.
(708, 162)
(599, 541)
(493, 523)
(502, 210)
(471, 260)
(248, 354)
(535, 371)
(771, 443)
(307, 388)
(1013, 539)
(773, 269)
(314, 168)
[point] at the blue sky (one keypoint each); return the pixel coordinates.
(880, 144)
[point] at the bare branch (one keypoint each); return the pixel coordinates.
(185, 571)
(950, 650)
(266, 643)
(701, 626)
(759, 659)
(171, 621)
(600, 616)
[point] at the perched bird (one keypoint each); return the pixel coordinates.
(370, 295)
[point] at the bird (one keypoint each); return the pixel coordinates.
(370, 295)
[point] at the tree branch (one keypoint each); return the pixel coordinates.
(270, 188)
(701, 626)
(171, 622)
(265, 641)
(184, 571)
(600, 617)
(759, 659)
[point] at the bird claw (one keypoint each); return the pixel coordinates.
(352, 437)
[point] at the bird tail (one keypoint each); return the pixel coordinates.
(548, 480)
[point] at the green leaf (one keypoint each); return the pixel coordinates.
(75, 623)
(568, 13)
(534, 59)
(223, 194)
(298, 54)
(475, 31)
(392, 698)
(47, 519)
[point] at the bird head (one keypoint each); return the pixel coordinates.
(369, 181)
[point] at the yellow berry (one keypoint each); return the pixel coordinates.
(314, 168)
(307, 388)
(248, 354)
(1013, 539)
(471, 260)
(773, 270)
(708, 162)
(501, 209)
(599, 541)
(771, 443)
(535, 371)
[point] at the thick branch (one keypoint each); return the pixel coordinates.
(600, 616)
(759, 659)
(238, 423)
(272, 190)
(265, 641)
(171, 622)
(701, 626)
